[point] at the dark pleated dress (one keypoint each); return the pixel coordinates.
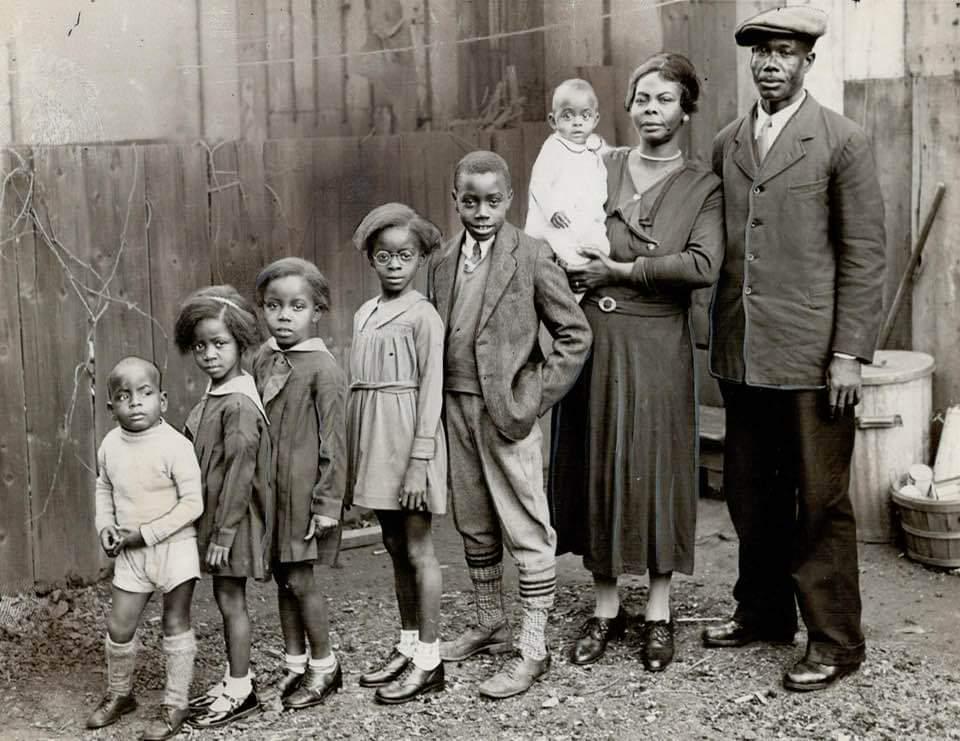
(623, 468)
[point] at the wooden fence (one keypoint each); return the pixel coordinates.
(101, 243)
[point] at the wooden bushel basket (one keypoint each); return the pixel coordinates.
(931, 529)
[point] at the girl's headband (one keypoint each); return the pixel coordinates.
(228, 302)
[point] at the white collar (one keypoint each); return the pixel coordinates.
(776, 120)
(467, 248)
(594, 143)
(242, 384)
(312, 344)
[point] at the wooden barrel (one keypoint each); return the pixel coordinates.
(931, 529)
(893, 432)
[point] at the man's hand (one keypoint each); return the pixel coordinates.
(843, 382)
(319, 526)
(560, 220)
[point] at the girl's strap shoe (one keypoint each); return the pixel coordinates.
(225, 710)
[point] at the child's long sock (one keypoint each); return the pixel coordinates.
(536, 596)
(408, 642)
(121, 659)
(426, 656)
(488, 588)
(180, 651)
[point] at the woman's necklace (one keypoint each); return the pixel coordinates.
(659, 159)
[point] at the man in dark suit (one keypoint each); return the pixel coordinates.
(796, 311)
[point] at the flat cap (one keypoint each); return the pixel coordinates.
(793, 20)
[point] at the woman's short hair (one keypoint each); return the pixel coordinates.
(287, 266)
(217, 302)
(673, 67)
(396, 215)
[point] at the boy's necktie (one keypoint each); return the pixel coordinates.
(470, 264)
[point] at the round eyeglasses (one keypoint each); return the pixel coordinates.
(382, 257)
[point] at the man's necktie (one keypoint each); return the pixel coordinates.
(765, 140)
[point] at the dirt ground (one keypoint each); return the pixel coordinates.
(52, 671)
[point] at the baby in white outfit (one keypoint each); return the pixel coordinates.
(568, 184)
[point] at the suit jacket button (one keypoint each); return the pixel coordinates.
(755, 223)
(758, 189)
(748, 290)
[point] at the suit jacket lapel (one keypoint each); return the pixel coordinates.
(444, 276)
(502, 268)
(744, 153)
(788, 149)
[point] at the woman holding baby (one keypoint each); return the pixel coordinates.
(623, 483)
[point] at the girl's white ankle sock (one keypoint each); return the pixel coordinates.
(296, 663)
(426, 656)
(408, 642)
(325, 665)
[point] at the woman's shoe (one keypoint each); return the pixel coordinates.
(594, 635)
(388, 672)
(657, 644)
(225, 710)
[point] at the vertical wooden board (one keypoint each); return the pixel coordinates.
(252, 55)
(16, 237)
(58, 364)
(359, 93)
(874, 35)
(441, 33)
(304, 36)
(609, 98)
(635, 34)
(179, 257)
(333, 251)
(933, 37)
(508, 143)
(220, 76)
(936, 103)
(884, 108)
(474, 58)
(714, 54)
(291, 198)
(826, 76)
(355, 192)
(526, 53)
(573, 39)
(116, 201)
(280, 70)
(329, 67)
(675, 22)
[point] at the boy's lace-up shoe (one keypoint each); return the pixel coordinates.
(289, 683)
(412, 683)
(168, 723)
(315, 688)
(515, 678)
(388, 672)
(476, 639)
(110, 710)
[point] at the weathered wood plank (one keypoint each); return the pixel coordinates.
(252, 48)
(177, 238)
(635, 34)
(58, 378)
(933, 38)
(114, 178)
(219, 78)
(442, 25)
(291, 198)
(574, 39)
(874, 36)
(936, 102)
(526, 53)
(281, 116)
(330, 70)
(884, 108)
(714, 54)
(16, 237)
(304, 36)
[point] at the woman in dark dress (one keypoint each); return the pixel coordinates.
(623, 483)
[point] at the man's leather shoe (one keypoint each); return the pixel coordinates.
(809, 675)
(734, 633)
(315, 688)
(388, 672)
(515, 678)
(225, 709)
(289, 683)
(476, 639)
(110, 709)
(167, 724)
(594, 636)
(657, 644)
(412, 683)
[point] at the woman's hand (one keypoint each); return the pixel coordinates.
(218, 556)
(319, 526)
(598, 272)
(413, 490)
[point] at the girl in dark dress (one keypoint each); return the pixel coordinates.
(624, 458)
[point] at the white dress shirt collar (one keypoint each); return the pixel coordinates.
(467, 247)
(777, 120)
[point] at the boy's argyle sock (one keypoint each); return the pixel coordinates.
(488, 591)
